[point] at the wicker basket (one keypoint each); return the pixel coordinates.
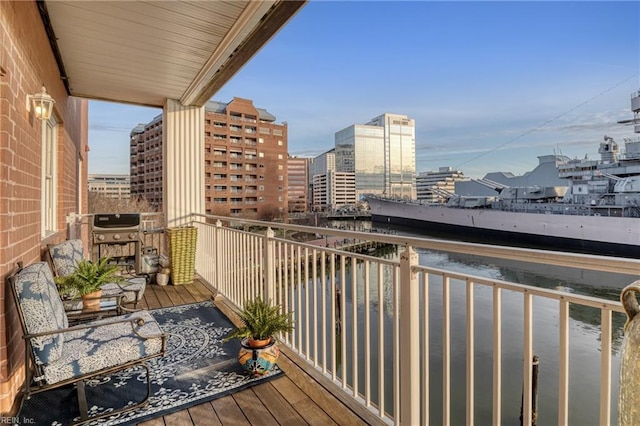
(182, 250)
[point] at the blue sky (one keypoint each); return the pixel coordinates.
(491, 85)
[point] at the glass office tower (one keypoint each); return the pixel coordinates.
(382, 155)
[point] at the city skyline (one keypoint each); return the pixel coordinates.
(491, 85)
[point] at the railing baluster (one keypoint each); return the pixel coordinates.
(299, 300)
(286, 272)
(446, 353)
(244, 273)
(291, 293)
(605, 368)
(470, 354)
(217, 237)
(497, 356)
(334, 331)
(256, 270)
(563, 368)
(314, 292)
(527, 367)
(307, 322)
(354, 329)
(323, 307)
(343, 318)
(425, 349)
(381, 357)
(367, 334)
(396, 345)
(269, 263)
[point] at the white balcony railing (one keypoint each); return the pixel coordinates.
(417, 344)
(367, 323)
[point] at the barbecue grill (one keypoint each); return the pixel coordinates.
(118, 236)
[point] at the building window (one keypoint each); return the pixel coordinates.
(49, 189)
(261, 154)
(279, 156)
(280, 143)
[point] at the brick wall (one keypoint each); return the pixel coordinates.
(26, 62)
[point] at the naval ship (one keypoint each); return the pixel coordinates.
(597, 212)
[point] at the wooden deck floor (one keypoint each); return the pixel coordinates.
(293, 399)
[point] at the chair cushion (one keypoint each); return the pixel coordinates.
(65, 256)
(103, 346)
(42, 310)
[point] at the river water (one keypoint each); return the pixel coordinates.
(584, 373)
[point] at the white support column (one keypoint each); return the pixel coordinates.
(409, 339)
(182, 162)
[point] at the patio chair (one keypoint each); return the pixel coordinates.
(57, 355)
(65, 256)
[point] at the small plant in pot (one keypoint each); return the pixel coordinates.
(87, 280)
(261, 322)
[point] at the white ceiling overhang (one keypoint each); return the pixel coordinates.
(143, 52)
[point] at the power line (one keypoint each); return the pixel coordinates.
(551, 120)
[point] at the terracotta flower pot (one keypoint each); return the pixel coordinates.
(258, 360)
(91, 301)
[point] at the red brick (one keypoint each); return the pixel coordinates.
(26, 58)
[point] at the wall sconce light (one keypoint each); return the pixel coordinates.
(42, 104)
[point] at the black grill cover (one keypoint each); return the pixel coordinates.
(116, 220)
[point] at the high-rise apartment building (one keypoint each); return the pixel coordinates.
(146, 161)
(245, 161)
(298, 188)
(434, 186)
(110, 186)
(381, 153)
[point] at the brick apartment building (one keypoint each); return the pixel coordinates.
(245, 169)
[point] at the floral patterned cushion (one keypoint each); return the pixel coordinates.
(65, 256)
(42, 310)
(104, 345)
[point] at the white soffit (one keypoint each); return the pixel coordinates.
(143, 52)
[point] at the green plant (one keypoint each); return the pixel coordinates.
(88, 277)
(261, 321)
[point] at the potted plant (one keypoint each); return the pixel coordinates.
(87, 279)
(261, 322)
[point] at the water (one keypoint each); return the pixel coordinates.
(584, 374)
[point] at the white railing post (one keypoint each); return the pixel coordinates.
(269, 266)
(409, 339)
(217, 255)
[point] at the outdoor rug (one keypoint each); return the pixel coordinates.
(197, 368)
